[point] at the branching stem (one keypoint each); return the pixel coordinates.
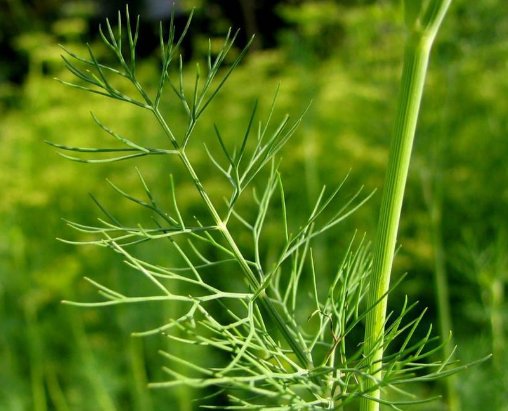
(282, 325)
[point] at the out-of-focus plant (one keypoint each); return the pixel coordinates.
(488, 267)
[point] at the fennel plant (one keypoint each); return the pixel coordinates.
(275, 358)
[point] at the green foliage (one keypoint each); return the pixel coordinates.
(345, 129)
(274, 361)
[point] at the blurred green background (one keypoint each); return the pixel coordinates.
(345, 56)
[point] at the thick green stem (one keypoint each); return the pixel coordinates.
(415, 64)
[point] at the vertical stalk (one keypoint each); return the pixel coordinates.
(442, 296)
(432, 187)
(416, 58)
(496, 291)
(37, 377)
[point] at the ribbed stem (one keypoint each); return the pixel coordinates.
(415, 64)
